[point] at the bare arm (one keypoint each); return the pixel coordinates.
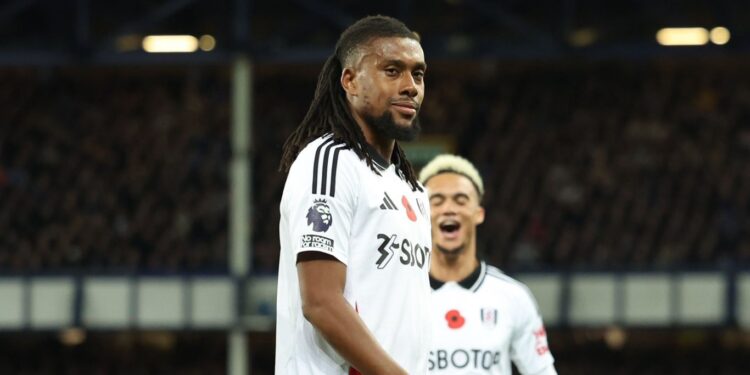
(322, 279)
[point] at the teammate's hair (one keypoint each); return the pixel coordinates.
(447, 163)
(329, 111)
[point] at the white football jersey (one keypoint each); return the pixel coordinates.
(484, 322)
(380, 229)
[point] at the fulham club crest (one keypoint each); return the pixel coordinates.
(488, 317)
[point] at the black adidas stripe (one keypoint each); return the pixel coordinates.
(333, 169)
(315, 165)
(324, 180)
(389, 202)
(327, 173)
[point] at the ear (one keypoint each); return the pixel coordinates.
(479, 215)
(349, 81)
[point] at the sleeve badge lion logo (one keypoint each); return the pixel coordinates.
(319, 215)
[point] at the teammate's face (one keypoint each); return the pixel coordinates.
(385, 86)
(455, 212)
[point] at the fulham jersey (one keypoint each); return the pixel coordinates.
(380, 229)
(484, 322)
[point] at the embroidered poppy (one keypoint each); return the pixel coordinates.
(455, 320)
(409, 211)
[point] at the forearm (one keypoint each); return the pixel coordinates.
(343, 329)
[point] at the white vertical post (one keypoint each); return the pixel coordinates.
(240, 250)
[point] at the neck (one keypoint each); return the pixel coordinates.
(453, 267)
(383, 146)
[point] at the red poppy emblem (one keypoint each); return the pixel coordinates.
(455, 320)
(409, 211)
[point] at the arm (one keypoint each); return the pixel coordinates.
(529, 348)
(322, 279)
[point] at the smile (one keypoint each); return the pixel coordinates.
(449, 229)
(409, 109)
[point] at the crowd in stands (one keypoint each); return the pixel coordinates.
(113, 170)
(597, 164)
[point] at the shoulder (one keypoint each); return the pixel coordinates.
(322, 154)
(324, 147)
(323, 165)
(500, 282)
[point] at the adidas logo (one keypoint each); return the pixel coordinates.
(388, 203)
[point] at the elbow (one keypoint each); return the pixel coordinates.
(315, 307)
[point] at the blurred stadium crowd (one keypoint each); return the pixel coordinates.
(112, 171)
(598, 165)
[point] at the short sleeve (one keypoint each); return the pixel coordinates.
(529, 349)
(319, 200)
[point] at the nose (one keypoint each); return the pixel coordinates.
(448, 208)
(409, 86)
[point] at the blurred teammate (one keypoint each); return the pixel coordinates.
(482, 319)
(353, 289)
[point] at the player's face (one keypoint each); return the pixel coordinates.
(385, 87)
(455, 212)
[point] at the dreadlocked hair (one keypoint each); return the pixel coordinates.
(329, 109)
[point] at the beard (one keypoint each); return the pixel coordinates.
(384, 126)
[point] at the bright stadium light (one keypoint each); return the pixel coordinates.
(72, 336)
(170, 43)
(207, 43)
(682, 36)
(720, 35)
(583, 37)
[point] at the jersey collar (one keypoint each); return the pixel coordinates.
(379, 161)
(471, 282)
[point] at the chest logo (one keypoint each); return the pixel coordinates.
(422, 211)
(409, 211)
(454, 319)
(388, 203)
(319, 215)
(488, 317)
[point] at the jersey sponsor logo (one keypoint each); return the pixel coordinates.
(409, 211)
(477, 359)
(454, 319)
(414, 255)
(388, 203)
(319, 215)
(313, 241)
(488, 317)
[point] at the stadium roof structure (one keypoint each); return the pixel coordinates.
(87, 31)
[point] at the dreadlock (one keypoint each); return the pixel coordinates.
(329, 110)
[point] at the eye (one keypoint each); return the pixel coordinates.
(418, 75)
(462, 200)
(436, 200)
(391, 72)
